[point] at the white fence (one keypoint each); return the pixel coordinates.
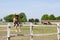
(31, 32)
(58, 31)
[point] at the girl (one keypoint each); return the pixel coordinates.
(16, 23)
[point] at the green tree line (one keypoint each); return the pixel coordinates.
(22, 18)
(34, 20)
(50, 17)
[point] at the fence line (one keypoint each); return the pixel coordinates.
(31, 32)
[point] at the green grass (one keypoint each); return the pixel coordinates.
(50, 37)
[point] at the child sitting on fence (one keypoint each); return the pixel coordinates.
(16, 23)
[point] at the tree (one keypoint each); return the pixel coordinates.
(9, 18)
(31, 20)
(0, 19)
(58, 18)
(36, 20)
(52, 17)
(22, 17)
(45, 17)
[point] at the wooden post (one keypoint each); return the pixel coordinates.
(31, 31)
(58, 27)
(8, 31)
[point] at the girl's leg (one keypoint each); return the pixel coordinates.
(19, 27)
(16, 28)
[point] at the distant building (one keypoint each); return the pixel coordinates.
(50, 21)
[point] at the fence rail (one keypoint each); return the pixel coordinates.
(31, 32)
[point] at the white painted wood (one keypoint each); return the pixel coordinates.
(8, 31)
(31, 31)
(58, 29)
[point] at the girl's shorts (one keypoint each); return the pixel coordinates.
(16, 23)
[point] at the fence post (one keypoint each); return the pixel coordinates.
(8, 31)
(58, 33)
(31, 31)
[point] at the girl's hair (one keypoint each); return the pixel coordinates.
(16, 16)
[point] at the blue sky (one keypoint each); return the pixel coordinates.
(32, 8)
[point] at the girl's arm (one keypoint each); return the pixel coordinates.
(13, 19)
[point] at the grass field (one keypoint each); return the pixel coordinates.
(42, 29)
